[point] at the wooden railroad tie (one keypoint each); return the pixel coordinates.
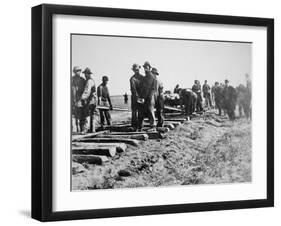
(90, 159)
(133, 142)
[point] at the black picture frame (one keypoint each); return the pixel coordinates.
(42, 111)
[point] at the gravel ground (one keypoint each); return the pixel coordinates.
(209, 149)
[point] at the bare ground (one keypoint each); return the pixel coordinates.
(206, 150)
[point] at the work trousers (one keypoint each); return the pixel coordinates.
(88, 118)
(105, 115)
(147, 110)
(208, 101)
(159, 110)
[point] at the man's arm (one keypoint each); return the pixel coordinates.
(87, 91)
(99, 94)
(133, 88)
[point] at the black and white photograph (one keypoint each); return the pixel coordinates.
(153, 112)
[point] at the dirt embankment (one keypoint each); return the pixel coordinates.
(206, 150)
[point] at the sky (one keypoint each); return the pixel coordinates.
(178, 61)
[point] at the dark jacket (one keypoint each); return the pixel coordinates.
(149, 85)
(136, 85)
(77, 86)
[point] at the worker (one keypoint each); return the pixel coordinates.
(229, 101)
(188, 101)
(196, 88)
(207, 94)
(218, 98)
(88, 100)
(125, 98)
(104, 102)
(77, 88)
(137, 101)
(159, 102)
(149, 88)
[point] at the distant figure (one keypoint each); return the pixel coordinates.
(159, 104)
(88, 100)
(177, 89)
(136, 96)
(229, 99)
(125, 98)
(217, 93)
(77, 88)
(207, 94)
(196, 88)
(104, 101)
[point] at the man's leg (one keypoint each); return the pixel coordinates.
(151, 114)
(159, 112)
(107, 117)
(210, 100)
(141, 111)
(92, 123)
(134, 117)
(101, 117)
(83, 113)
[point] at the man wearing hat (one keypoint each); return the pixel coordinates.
(207, 94)
(159, 104)
(218, 96)
(104, 102)
(136, 82)
(149, 94)
(88, 100)
(196, 88)
(229, 99)
(77, 88)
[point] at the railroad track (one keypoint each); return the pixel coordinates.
(98, 148)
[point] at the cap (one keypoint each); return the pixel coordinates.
(87, 71)
(146, 63)
(154, 71)
(76, 68)
(135, 66)
(104, 78)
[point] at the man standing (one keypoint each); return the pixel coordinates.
(149, 94)
(196, 88)
(88, 100)
(217, 93)
(77, 88)
(104, 102)
(136, 96)
(229, 102)
(159, 98)
(207, 94)
(125, 98)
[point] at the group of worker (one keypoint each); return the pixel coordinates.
(223, 97)
(85, 99)
(147, 98)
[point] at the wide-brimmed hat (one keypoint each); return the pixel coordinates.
(87, 71)
(155, 71)
(76, 68)
(146, 63)
(135, 66)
